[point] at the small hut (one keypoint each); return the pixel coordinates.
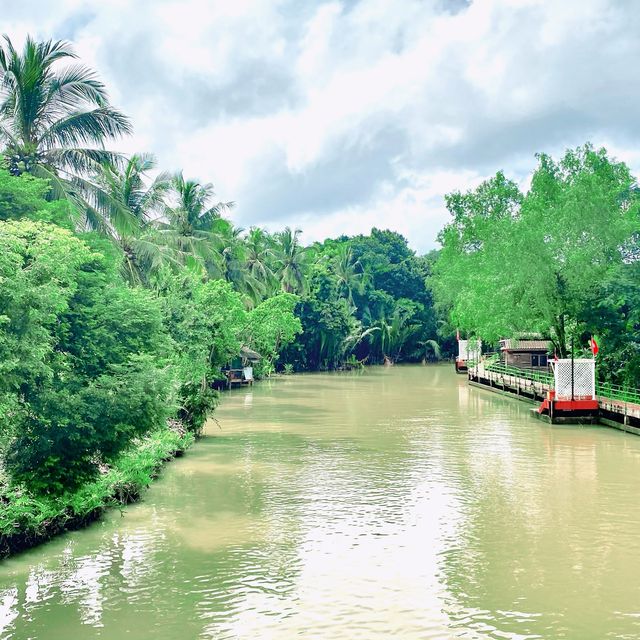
(525, 354)
(240, 370)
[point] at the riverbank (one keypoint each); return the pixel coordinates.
(27, 520)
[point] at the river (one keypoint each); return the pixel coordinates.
(393, 503)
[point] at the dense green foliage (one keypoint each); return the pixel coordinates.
(123, 298)
(366, 299)
(27, 518)
(81, 357)
(560, 260)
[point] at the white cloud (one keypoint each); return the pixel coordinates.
(415, 210)
(342, 115)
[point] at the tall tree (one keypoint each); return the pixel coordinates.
(540, 262)
(291, 260)
(54, 123)
(260, 258)
(193, 227)
(234, 265)
(127, 188)
(347, 270)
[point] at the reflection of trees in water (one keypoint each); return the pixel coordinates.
(171, 567)
(69, 590)
(9, 605)
(538, 550)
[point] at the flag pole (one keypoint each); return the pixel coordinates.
(572, 365)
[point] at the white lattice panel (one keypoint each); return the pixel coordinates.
(469, 350)
(584, 378)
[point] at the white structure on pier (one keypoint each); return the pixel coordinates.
(583, 386)
(469, 350)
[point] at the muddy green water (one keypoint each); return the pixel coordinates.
(396, 503)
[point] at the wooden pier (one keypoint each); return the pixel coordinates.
(507, 383)
(611, 412)
(620, 415)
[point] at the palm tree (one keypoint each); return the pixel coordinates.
(235, 268)
(428, 350)
(126, 188)
(348, 271)
(291, 260)
(260, 258)
(394, 332)
(54, 122)
(192, 228)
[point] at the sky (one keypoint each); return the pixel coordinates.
(338, 116)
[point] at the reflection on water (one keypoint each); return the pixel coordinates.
(391, 503)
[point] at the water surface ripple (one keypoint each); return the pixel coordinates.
(393, 503)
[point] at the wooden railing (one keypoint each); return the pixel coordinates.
(491, 362)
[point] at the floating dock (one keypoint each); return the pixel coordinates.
(536, 388)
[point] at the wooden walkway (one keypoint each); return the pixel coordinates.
(513, 385)
(614, 413)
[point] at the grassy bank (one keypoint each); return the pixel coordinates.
(27, 520)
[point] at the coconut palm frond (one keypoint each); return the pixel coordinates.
(56, 121)
(74, 84)
(105, 212)
(78, 161)
(59, 188)
(86, 127)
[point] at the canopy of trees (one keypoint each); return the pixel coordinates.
(125, 291)
(560, 260)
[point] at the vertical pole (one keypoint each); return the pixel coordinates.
(572, 364)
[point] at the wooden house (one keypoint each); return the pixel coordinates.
(240, 370)
(526, 354)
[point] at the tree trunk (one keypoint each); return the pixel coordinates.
(561, 335)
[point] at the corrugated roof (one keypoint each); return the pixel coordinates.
(250, 354)
(513, 344)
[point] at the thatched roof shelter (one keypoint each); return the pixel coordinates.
(250, 354)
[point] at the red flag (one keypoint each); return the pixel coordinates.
(555, 357)
(594, 346)
(458, 335)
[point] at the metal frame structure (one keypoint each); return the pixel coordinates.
(575, 378)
